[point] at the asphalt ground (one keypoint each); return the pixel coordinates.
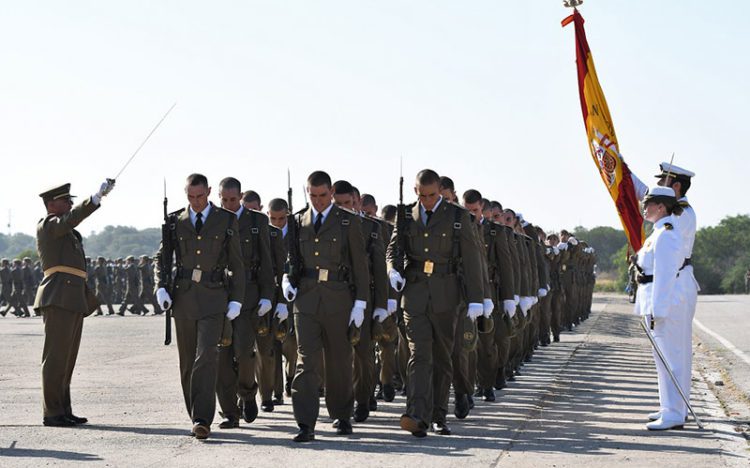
(581, 401)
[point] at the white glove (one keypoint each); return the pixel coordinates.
(516, 299)
(104, 189)
(573, 241)
(534, 300)
(542, 292)
(233, 310)
(282, 312)
(510, 307)
(290, 292)
(379, 314)
(475, 310)
(264, 306)
(526, 303)
(488, 307)
(358, 313)
(392, 306)
(562, 246)
(397, 281)
(556, 250)
(162, 297)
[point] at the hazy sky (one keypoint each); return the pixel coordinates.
(483, 91)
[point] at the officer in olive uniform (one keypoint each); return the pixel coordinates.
(132, 294)
(29, 284)
(62, 297)
(329, 284)
(146, 276)
(103, 284)
(206, 244)
(432, 291)
(18, 296)
(6, 283)
(236, 387)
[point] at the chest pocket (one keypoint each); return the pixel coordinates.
(250, 241)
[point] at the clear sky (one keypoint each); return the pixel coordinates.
(482, 91)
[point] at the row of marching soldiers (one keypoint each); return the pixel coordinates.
(444, 293)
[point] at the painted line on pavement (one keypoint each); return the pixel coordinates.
(723, 341)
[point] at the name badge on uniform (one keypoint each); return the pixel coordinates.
(197, 274)
(322, 275)
(429, 267)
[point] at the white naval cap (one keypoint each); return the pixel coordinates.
(673, 171)
(660, 193)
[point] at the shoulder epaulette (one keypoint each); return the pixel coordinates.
(226, 211)
(668, 226)
(273, 230)
(257, 213)
(347, 211)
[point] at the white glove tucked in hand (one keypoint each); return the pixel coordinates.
(488, 307)
(233, 310)
(510, 307)
(526, 303)
(290, 292)
(397, 281)
(282, 312)
(475, 310)
(264, 306)
(104, 189)
(162, 297)
(392, 306)
(517, 300)
(358, 313)
(562, 246)
(379, 314)
(542, 292)
(573, 241)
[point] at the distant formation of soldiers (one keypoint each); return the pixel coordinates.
(123, 281)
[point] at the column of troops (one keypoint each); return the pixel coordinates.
(121, 281)
(460, 298)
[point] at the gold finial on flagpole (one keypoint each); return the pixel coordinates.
(572, 3)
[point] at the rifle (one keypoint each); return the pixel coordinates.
(167, 252)
(295, 256)
(400, 257)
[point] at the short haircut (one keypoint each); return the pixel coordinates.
(318, 178)
(355, 191)
(230, 183)
(486, 205)
(251, 196)
(496, 204)
(565, 233)
(368, 200)
(447, 183)
(278, 204)
(508, 210)
(388, 212)
(427, 177)
(552, 237)
(196, 179)
(472, 196)
(342, 187)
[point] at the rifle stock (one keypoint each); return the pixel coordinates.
(167, 253)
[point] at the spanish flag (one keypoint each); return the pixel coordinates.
(602, 139)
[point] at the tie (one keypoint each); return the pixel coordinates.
(198, 222)
(318, 222)
(428, 214)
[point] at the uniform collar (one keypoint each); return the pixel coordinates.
(324, 213)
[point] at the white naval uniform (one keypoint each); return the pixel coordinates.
(661, 257)
(686, 226)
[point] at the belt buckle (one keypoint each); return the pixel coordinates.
(429, 267)
(322, 275)
(197, 275)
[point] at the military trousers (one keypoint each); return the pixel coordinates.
(285, 362)
(556, 305)
(62, 339)
(364, 363)
(197, 347)
(323, 351)
(462, 384)
(386, 349)
(265, 365)
(236, 372)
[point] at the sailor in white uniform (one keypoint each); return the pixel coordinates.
(661, 303)
(679, 179)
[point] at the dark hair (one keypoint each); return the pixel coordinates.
(355, 191)
(486, 205)
(553, 236)
(684, 185)
(229, 183)
(388, 212)
(278, 204)
(565, 233)
(342, 187)
(508, 210)
(427, 177)
(447, 183)
(197, 179)
(318, 178)
(368, 200)
(250, 196)
(496, 204)
(472, 196)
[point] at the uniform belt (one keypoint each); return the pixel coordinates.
(437, 268)
(314, 273)
(208, 278)
(687, 262)
(644, 279)
(65, 269)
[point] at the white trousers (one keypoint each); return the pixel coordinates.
(688, 289)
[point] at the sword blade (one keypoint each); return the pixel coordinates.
(144, 141)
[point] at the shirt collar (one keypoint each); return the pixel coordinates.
(662, 221)
(284, 230)
(239, 212)
(434, 208)
(205, 212)
(325, 212)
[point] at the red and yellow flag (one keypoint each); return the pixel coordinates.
(602, 139)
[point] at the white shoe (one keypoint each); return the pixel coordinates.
(654, 416)
(662, 425)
